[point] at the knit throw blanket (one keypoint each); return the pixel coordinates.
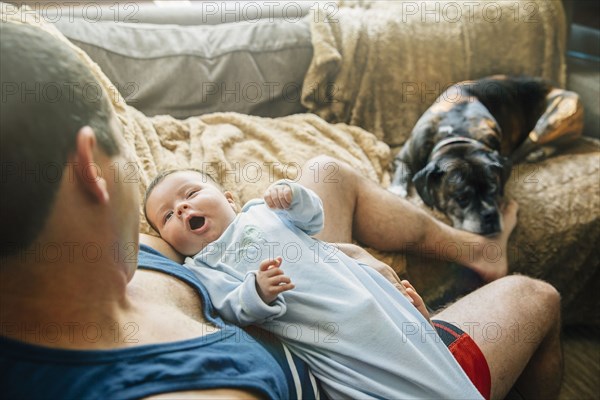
(380, 64)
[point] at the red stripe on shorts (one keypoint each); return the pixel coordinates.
(469, 356)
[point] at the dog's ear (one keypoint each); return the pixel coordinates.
(426, 180)
(501, 166)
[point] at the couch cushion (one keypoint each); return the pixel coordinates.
(192, 70)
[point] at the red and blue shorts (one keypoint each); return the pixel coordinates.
(467, 353)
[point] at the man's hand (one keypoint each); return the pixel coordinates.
(278, 196)
(270, 280)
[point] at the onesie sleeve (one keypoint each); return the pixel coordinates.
(306, 210)
(235, 297)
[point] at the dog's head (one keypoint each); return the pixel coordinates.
(466, 183)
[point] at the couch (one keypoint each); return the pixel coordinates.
(251, 90)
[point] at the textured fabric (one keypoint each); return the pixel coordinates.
(381, 65)
(360, 336)
(468, 355)
(246, 153)
(241, 67)
(227, 358)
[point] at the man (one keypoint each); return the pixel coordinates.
(69, 277)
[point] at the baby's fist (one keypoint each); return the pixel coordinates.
(270, 280)
(278, 196)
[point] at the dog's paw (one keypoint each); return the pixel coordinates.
(398, 190)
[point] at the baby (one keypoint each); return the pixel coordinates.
(359, 334)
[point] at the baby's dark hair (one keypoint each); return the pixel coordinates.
(162, 175)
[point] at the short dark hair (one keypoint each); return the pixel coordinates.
(162, 175)
(48, 95)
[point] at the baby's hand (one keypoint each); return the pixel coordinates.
(416, 299)
(278, 196)
(270, 280)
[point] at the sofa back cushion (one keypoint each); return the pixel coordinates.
(183, 71)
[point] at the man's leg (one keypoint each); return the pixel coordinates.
(515, 321)
(358, 208)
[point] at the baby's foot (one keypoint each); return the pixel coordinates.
(491, 262)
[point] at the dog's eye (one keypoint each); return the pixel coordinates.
(462, 200)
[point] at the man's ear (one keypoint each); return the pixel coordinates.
(426, 181)
(231, 200)
(87, 171)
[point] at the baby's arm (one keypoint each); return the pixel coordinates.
(270, 280)
(297, 204)
(234, 295)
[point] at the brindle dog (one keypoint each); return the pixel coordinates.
(460, 153)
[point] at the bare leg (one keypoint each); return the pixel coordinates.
(516, 323)
(357, 208)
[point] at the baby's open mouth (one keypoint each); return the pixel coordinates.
(196, 222)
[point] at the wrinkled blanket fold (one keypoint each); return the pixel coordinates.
(247, 153)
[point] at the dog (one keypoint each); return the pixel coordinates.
(460, 153)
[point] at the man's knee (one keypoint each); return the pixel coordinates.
(323, 162)
(550, 296)
(542, 293)
(320, 160)
(325, 169)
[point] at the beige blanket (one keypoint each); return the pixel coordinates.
(248, 153)
(382, 64)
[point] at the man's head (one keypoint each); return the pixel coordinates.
(188, 209)
(52, 107)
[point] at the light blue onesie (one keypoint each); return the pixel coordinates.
(361, 337)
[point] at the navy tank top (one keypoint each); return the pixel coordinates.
(227, 358)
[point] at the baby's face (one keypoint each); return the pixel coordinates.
(189, 211)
